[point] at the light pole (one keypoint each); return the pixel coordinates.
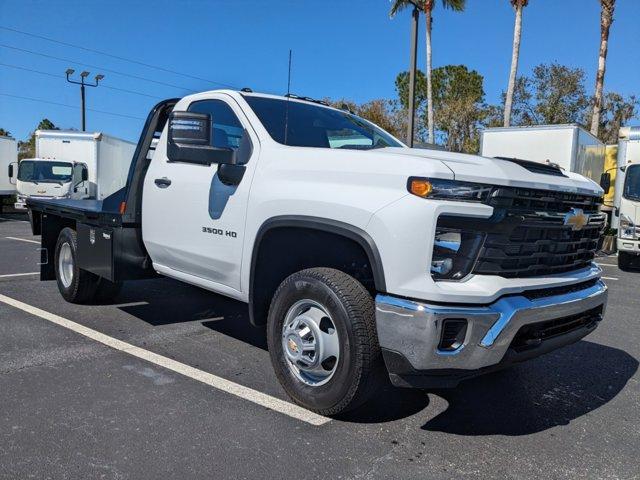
(82, 83)
(412, 73)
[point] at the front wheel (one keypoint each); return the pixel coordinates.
(625, 260)
(323, 342)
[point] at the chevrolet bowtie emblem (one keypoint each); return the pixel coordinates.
(576, 218)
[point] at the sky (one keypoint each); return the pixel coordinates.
(341, 49)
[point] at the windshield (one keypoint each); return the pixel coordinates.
(46, 172)
(310, 125)
(632, 183)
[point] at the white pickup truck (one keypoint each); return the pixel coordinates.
(359, 254)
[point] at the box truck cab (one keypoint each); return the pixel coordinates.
(627, 198)
(50, 178)
(77, 165)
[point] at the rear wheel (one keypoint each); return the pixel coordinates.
(75, 285)
(323, 342)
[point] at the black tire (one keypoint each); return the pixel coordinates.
(83, 285)
(352, 310)
(624, 261)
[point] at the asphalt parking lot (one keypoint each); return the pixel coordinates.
(73, 407)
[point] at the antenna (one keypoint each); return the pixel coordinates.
(286, 113)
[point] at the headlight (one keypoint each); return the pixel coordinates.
(448, 189)
(628, 229)
(454, 253)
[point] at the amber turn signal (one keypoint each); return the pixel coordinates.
(420, 187)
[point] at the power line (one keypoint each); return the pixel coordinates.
(17, 67)
(75, 107)
(148, 65)
(95, 66)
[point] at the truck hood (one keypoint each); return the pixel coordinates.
(474, 168)
(43, 189)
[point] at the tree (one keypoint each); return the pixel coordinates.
(28, 149)
(616, 112)
(554, 94)
(606, 19)
(427, 7)
(4, 133)
(458, 102)
(518, 5)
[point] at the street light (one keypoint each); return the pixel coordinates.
(412, 73)
(84, 74)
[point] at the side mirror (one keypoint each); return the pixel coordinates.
(85, 174)
(605, 182)
(11, 172)
(189, 140)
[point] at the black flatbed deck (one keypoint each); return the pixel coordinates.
(95, 212)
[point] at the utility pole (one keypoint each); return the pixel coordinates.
(412, 74)
(82, 83)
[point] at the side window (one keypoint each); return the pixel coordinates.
(226, 129)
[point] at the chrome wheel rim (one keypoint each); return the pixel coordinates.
(65, 265)
(310, 343)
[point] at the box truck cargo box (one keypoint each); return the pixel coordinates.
(8, 165)
(570, 147)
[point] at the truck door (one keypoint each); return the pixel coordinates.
(191, 222)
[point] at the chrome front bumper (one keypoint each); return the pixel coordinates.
(413, 329)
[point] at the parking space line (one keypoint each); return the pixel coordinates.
(609, 278)
(606, 264)
(14, 220)
(23, 240)
(246, 393)
(7, 275)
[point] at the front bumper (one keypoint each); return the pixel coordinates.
(410, 332)
(628, 245)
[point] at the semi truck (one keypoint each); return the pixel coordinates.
(569, 146)
(361, 257)
(8, 157)
(72, 164)
(626, 216)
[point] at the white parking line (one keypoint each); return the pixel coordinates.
(14, 220)
(606, 265)
(246, 393)
(24, 240)
(609, 278)
(19, 274)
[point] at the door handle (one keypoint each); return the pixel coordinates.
(163, 182)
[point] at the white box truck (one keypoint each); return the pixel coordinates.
(70, 164)
(570, 147)
(8, 156)
(626, 216)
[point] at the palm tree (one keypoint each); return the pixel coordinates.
(518, 5)
(427, 7)
(606, 19)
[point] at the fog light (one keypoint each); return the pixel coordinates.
(454, 253)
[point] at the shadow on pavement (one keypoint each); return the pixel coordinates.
(164, 301)
(535, 396)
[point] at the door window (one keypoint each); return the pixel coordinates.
(226, 129)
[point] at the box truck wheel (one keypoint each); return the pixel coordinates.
(624, 261)
(322, 340)
(75, 285)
